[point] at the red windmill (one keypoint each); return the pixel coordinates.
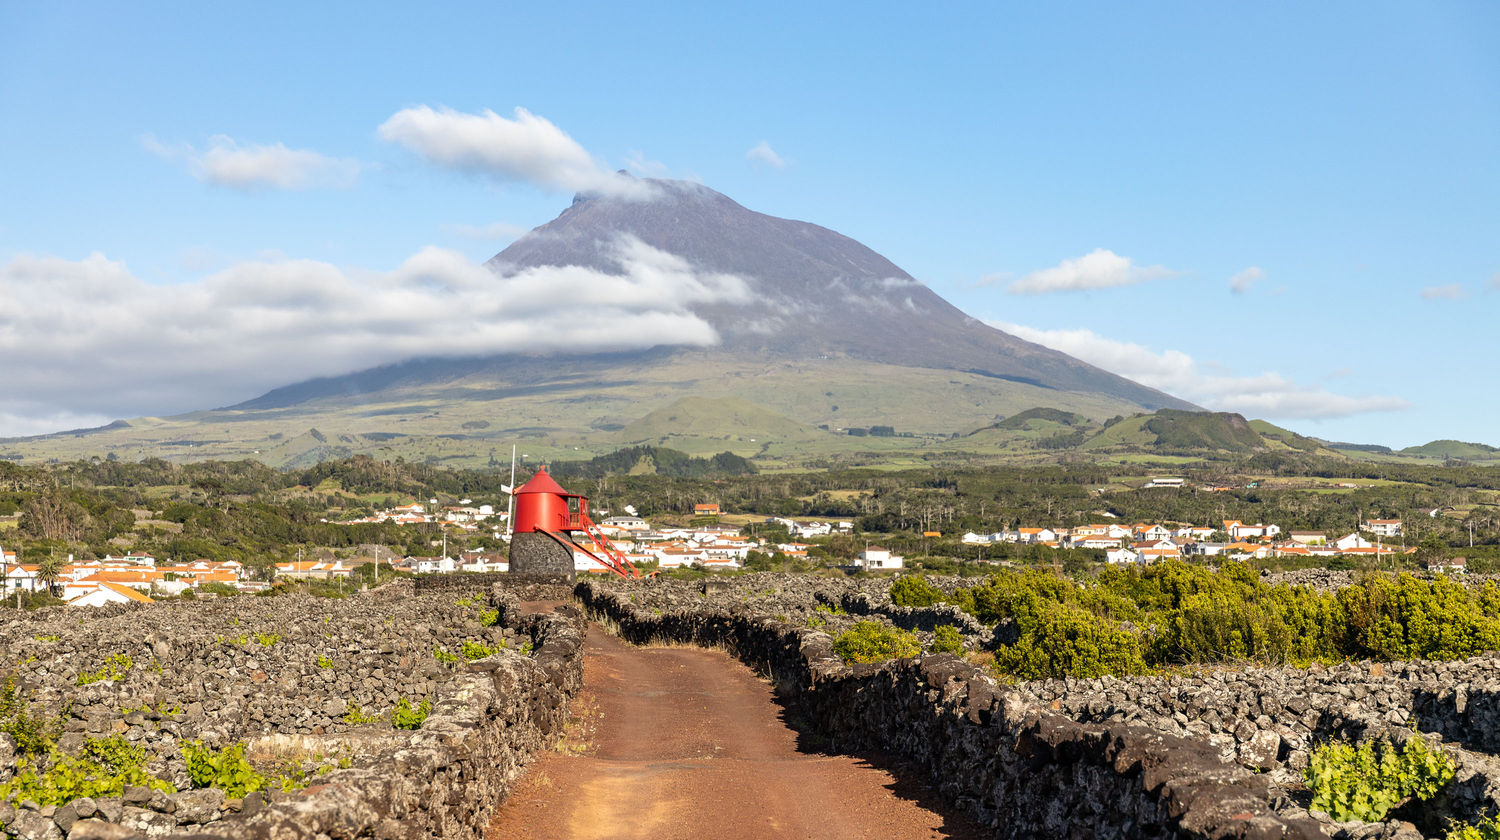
(547, 518)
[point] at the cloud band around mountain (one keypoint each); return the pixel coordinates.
(1267, 395)
(87, 339)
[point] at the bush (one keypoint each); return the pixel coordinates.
(946, 639)
(1367, 782)
(871, 641)
(915, 591)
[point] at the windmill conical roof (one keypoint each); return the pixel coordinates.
(542, 483)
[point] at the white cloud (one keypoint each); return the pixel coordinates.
(1452, 291)
(527, 148)
(1098, 269)
(88, 339)
(1267, 395)
(226, 163)
(1495, 281)
(1241, 282)
(763, 153)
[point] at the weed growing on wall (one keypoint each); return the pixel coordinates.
(106, 767)
(1368, 781)
(407, 716)
(115, 668)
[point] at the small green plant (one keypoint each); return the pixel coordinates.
(115, 668)
(871, 641)
(47, 638)
(356, 716)
(324, 661)
(830, 609)
(407, 716)
(225, 769)
(816, 621)
(1486, 829)
(32, 732)
(444, 656)
(477, 650)
(947, 639)
(527, 647)
(489, 618)
(1367, 782)
(267, 639)
(466, 601)
(106, 767)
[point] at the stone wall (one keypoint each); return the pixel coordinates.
(212, 671)
(535, 553)
(1021, 768)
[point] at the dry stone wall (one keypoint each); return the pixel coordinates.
(1020, 766)
(281, 675)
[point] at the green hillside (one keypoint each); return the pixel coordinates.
(1038, 418)
(722, 418)
(1452, 449)
(1272, 433)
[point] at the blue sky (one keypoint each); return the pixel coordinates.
(1288, 210)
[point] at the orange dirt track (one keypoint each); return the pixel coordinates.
(675, 743)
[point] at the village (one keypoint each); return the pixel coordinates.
(140, 577)
(1144, 543)
(704, 544)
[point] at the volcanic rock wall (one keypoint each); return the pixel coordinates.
(1021, 768)
(281, 674)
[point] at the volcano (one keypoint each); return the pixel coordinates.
(793, 341)
(814, 293)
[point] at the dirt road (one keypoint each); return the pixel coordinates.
(674, 743)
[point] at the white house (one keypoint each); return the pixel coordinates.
(624, 523)
(1383, 527)
(879, 558)
(1451, 566)
(1241, 531)
(1308, 537)
(1353, 540)
(109, 593)
(1037, 535)
(1122, 557)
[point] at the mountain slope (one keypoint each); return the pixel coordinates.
(822, 333)
(815, 292)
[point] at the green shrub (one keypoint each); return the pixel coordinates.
(407, 716)
(1486, 829)
(947, 639)
(444, 656)
(107, 766)
(355, 716)
(267, 639)
(324, 661)
(489, 618)
(915, 591)
(225, 769)
(1061, 641)
(871, 641)
(1366, 782)
(477, 650)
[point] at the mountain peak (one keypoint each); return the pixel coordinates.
(813, 292)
